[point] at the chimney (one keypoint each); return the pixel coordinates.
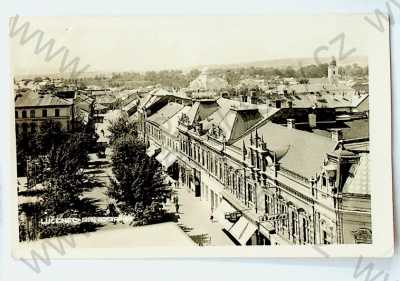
(291, 124)
(337, 134)
(312, 120)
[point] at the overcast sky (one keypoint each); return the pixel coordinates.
(145, 43)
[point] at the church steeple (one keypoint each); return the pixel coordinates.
(332, 71)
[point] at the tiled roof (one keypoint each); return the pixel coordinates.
(149, 100)
(201, 110)
(235, 119)
(306, 150)
(171, 125)
(358, 182)
(130, 105)
(32, 99)
(165, 113)
(326, 100)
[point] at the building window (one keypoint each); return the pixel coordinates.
(249, 193)
(23, 114)
(304, 230)
(16, 114)
(325, 237)
(293, 225)
(32, 113)
(44, 113)
(283, 211)
(267, 205)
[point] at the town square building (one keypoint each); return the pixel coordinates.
(265, 181)
(32, 108)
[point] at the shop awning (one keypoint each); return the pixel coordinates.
(152, 150)
(223, 208)
(267, 229)
(166, 158)
(242, 230)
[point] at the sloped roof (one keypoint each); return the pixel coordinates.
(329, 100)
(216, 118)
(161, 92)
(105, 99)
(149, 100)
(171, 125)
(322, 85)
(130, 105)
(358, 182)
(237, 122)
(351, 129)
(207, 82)
(33, 99)
(202, 109)
(165, 113)
(235, 118)
(306, 150)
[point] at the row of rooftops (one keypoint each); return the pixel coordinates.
(232, 123)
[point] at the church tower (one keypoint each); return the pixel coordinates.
(332, 71)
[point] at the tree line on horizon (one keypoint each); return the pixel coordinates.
(177, 79)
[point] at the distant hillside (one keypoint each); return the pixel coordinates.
(276, 63)
(294, 62)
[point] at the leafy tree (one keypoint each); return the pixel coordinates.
(290, 72)
(139, 186)
(64, 175)
(120, 128)
(49, 135)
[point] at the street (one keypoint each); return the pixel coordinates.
(194, 219)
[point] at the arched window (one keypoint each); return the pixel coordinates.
(32, 113)
(23, 114)
(304, 230)
(293, 224)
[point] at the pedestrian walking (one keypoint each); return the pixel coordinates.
(177, 207)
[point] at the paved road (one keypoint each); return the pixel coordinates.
(100, 170)
(194, 218)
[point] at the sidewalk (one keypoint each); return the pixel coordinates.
(194, 218)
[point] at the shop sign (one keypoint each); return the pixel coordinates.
(233, 216)
(274, 217)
